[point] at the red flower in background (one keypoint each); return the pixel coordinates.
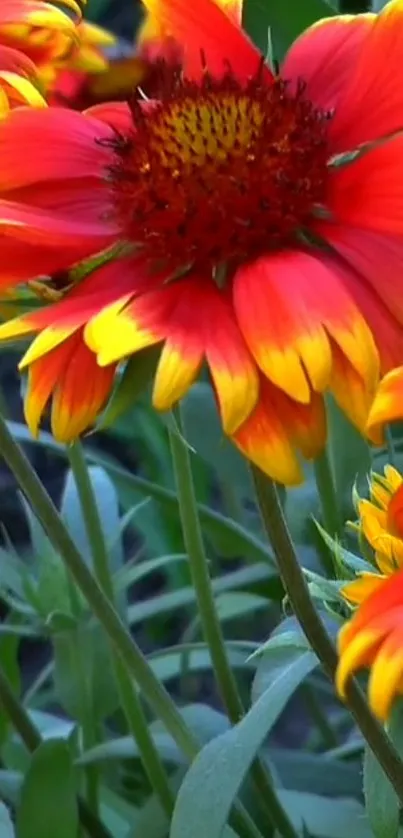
(252, 249)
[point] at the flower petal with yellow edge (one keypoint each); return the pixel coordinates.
(387, 405)
(362, 587)
(386, 673)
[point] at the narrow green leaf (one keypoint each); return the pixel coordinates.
(215, 777)
(108, 508)
(48, 806)
(203, 432)
(349, 453)
(381, 801)
(323, 818)
(130, 385)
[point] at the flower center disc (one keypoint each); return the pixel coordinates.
(220, 171)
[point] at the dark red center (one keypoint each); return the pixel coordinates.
(220, 171)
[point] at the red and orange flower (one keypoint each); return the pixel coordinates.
(259, 243)
(373, 637)
(22, 23)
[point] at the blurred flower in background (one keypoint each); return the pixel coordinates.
(373, 637)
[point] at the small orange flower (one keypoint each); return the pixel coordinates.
(255, 247)
(373, 637)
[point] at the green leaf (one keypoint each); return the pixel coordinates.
(84, 678)
(215, 777)
(349, 453)
(203, 721)
(6, 824)
(381, 801)
(108, 508)
(131, 384)
(285, 20)
(203, 432)
(184, 597)
(323, 818)
(48, 805)
(230, 538)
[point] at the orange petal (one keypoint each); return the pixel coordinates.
(352, 394)
(265, 440)
(292, 337)
(387, 405)
(362, 587)
(355, 655)
(372, 105)
(81, 393)
(386, 674)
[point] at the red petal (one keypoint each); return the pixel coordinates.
(378, 257)
(289, 334)
(265, 439)
(324, 56)
(78, 385)
(372, 105)
(204, 28)
(115, 114)
(368, 192)
(66, 145)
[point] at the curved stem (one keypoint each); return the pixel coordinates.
(32, 739)
(305, 611)
(131, 704)
(211, 624)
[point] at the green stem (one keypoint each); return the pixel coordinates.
(85, 699)
(210, 622)
(32, 739)
(137, 665)
(131, 704)
(331, 516)
(310, 622)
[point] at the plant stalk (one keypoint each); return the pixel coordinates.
(137, 665)
(210, 621)
(131, 703)
(298, 593)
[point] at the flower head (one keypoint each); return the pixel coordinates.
(373, 637)
(253, 237)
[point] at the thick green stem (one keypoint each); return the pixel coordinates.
(211, 625)
(331, 516)
(305, 611)
(32, 739)
(131, 703)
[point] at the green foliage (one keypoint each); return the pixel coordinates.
(83, 749)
